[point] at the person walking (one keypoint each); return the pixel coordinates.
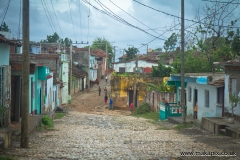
(105, 91)
(131, 107)
(99, 90)
(106, 79)
(110, 103)
(106, 99)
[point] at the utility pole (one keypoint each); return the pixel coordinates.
(25, 75)
(88, 66)
(147, 46)
(70, 76)
(114, 54)
(182, 66)
(135, 85)
(106, 60)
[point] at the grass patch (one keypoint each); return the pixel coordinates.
(151, 116)
(59, 115)
(162, 128)
(47, 124)
(182, 126)
(6, 158)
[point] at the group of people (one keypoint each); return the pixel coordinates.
(106, 97)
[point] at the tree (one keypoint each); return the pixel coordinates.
(171, 42)
(161, 70)
(212, 30)
(53, 38)
(131, 53)
(157, 50)
(4, 27)
(195, 62)
(100, 43)
(233, 40)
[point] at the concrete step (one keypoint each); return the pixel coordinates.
(222, 131)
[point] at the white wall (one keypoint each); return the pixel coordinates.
(213, 110)
(93, 74)
(129, 66)
(49, 96)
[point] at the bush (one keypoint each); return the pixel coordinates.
(143, 108)
(47, 121)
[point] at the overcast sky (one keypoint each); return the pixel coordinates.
(87, 23)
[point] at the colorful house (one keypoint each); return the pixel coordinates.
(5, 79)
(205, 89)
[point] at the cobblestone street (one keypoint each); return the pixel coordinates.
(99, 133)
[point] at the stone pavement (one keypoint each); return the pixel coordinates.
(111, 134)
(91, 136)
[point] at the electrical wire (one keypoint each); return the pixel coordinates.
(47, 15)
(4, 15)
(50, 17)
(180, 17)
(19, 23)
(80, 18)
(134, 18)
(195, 22)
(72, 20)
(218, 1)
(56, 18)
(88, 19)
(114, 16)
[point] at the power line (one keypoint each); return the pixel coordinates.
(88, 18)
(4, 15)
(19, 23)
(195, 22)
(218, 2)
(56, 18)
(114, 16)
(180, 17)
(50, 17)
(134, 17)
(80, 18)
(72, 20)
(47, 15)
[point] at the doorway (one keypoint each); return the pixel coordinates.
(195, 98)
(130, 98)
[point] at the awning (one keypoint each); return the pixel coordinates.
(176, 83)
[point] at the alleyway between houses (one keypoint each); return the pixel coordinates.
(91, 131)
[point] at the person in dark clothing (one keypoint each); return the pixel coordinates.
(99, 90)
(106, 99)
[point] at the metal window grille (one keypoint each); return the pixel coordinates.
(234, 86)
(122, 69)
(1, 86)
(189, 94)
(207, 98)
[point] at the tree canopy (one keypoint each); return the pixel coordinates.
(161, 70)
(100, 43)
(131, 52)
(171, 42)
(55, 38)
(4, 27)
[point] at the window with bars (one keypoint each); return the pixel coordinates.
(189, 94)
(234, 86)
(121, 69)
(207, 98)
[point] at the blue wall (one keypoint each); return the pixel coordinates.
(4, 52)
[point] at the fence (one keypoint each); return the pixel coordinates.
(154, 98)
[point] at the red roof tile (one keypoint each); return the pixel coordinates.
(8, 41)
